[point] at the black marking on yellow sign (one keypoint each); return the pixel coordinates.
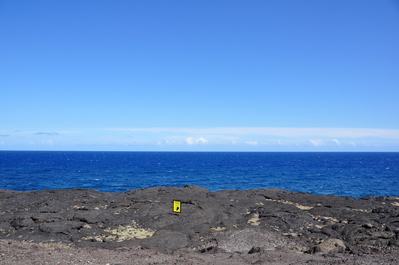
(177, 206)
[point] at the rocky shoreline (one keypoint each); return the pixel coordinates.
(229, 221)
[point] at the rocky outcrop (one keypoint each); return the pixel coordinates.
(230, 220)
(330, 245)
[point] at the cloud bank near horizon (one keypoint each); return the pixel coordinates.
(222, 138)
(278, 131)
(264, 137)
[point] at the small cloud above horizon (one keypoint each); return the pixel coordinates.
(252, 142)
(192, 141)
(317, 142)
(336, 141)
(46, 133)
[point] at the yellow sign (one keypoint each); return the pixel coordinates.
(177, 206)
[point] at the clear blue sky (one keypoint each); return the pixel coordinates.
(199, 75)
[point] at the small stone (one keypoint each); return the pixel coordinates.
(254, 250)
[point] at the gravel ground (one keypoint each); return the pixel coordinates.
(16, 252)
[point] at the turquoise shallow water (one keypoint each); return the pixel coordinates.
(343, 174)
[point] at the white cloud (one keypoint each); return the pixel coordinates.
(49, 142)
(252, 142)
(192, 141)
(317, 142)
(202, 140)
(336, 141)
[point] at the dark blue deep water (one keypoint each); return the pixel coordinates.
(343, 174)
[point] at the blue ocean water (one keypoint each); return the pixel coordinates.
(343, 174)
